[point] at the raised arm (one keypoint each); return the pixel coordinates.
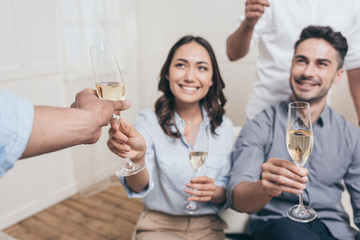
(56, 128)
(277, 176)
(238, 43)
(354, 85)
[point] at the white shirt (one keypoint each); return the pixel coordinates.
(276, 33)
(167, 161)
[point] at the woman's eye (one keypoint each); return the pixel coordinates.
(180, 65)
(203, 68)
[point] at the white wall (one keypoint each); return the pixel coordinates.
(163, 22)
(32, 66)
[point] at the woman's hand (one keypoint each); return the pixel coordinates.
(203, 189)
(124, 139)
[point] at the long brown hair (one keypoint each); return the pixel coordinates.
(213, 102)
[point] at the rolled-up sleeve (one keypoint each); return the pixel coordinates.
(16, 122)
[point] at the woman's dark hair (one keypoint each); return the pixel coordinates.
(213, 102)
(335, 39)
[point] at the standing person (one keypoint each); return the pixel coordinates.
(276, 25)
(263, 179)
(27, 130)
(192, 94)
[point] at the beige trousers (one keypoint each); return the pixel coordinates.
(159, 226)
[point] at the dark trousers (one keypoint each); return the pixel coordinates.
(287, 229)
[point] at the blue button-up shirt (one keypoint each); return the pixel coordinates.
(16, 121)
(167, 160)
(335, 157)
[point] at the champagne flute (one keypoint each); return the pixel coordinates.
(110, 85)
(299, 142)
(198, 150)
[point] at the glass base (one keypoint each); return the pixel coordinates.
(301, 213)
(129, 170)
(192, 207)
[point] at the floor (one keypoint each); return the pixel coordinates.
(106, 215)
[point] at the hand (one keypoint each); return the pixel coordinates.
(128, 140)
(102, 110)
(205, 189)
(282, 176)
(254, 9)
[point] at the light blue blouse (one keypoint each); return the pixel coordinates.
(16, 121)
(167, 161)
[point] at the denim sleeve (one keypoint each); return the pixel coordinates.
(16, 122)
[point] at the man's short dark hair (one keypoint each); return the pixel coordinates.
(335, 39)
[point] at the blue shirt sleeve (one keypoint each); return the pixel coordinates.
(16, 121)
(248, 152)
(227, 131)
(352, 176)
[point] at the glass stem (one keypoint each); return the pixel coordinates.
(117, 117)
(129, 163)
(301, 204)
(194, 176)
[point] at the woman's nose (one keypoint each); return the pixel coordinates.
(190, 75)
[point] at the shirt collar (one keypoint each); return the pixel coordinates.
(323, 119)
(180, 123)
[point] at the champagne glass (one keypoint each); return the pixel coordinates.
(110, 85)
(299, 142)
(198, 150)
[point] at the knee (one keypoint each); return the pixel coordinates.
(280, 229)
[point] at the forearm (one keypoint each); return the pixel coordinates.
(250, 197)
(219, 196)
(57, 128)
(238, 43)
(354, 85)
(139, 181)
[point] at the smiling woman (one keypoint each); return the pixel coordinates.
(190, 74)
(191, 62)
(192, 90)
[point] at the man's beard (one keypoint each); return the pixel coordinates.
(323, 92)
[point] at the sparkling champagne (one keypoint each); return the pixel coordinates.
(111, 90)
(299, 144)
(197, 159)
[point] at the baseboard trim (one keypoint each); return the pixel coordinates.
(36, 206)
